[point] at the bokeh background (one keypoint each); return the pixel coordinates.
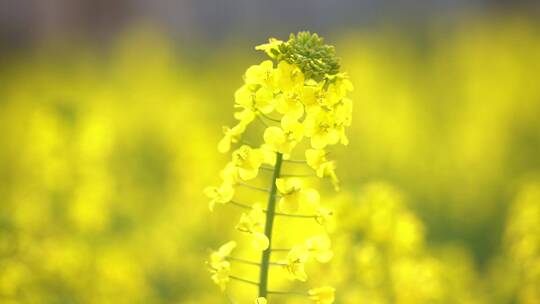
(110, 112)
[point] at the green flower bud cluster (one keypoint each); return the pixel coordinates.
(308, 52)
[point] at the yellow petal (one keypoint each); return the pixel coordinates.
(322, 295)
(210, 192)
(224, 144)
(310, 196)
(260, 241)
(281, 184)
(289, 204)
(274, 136)
(260, 300)
(318, 141)
(243, 97)
(247, 174)
(263, 100)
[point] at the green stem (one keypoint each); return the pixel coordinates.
(246, 206)
(294, 293)
(243, 280)
(270, 213)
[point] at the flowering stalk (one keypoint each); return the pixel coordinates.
(265, 260)
(304, 96)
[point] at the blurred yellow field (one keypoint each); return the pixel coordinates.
(105, 153)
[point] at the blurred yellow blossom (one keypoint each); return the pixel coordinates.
(246, 162)
(293, 194)
(253, 224)
(222, 194)
(219, 266)
(232, 136)
(270, 47)
(261, 300)
(295, 262)
(322, 295)
(320, 248)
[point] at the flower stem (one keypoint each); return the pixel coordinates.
(270, 118)
(295, 293)
(246, 206)
(296, 161)
(243, 280)
(253, 263)
(241, 205)
(270, 213)
(242, 261)
(299, 175)
(253, 187)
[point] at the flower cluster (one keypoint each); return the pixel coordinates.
(219, 266)
(297, 95)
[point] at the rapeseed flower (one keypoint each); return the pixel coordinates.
(253, 224)
(293, 194)
(261, 300)
(322, 295)
(298, 94)
(222, 194)
(319, 247)
(296, 261)
(219, 266)
(247, 162)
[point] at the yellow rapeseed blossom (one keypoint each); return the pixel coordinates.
(289, 77)
(246, 162)
(293, 194)
(219, 256)
(322, 130)
(319, 247)
(290, 105)
(222, 194)
(322, 295)
(231, 136)
(244, 99)
(298, 94)
(261, 300)
(280, 140)
(324, 217)
(252, 223)
(316, 159)
(295, 263)
(271, 47)
(262, 74)
(269, 156)
(219, 266)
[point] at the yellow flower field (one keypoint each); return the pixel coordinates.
(106, 155)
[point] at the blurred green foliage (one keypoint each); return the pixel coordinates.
(104, 155)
